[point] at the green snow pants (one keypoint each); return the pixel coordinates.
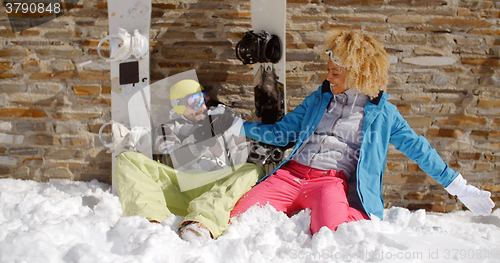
(150, 189)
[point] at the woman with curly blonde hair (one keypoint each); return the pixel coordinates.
(362, 57)
(342, 133)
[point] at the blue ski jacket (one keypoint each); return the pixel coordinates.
(382, 124)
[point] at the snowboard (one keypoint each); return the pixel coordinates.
(270, 16)
(130, 92)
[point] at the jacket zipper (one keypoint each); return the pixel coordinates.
(333, 126)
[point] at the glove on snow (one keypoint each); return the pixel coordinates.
(478, 201)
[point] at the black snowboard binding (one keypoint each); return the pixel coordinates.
(269, 106)
(269, 95)
(259, 48)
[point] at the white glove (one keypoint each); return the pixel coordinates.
(236, 126)
(124, 139)
(478, 201)
(220, 109)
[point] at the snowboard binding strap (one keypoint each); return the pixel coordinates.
(136, 45)
(258, 48)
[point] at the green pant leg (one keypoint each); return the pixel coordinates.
(146, 186)
(213, 207)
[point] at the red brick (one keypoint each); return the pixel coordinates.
(7, 33)
(460, 22)
(461, 120)
(354, 2)
(482, 166)
(59, 173)
(425, 197)
(176, 64)
(492, 62)
(29, 33)
(50, 102)
(395, 166)
(21, 52)
(95, 101)
(44, 139)
(93, 75)
(104, 52)
(74, 141)
(9, 75)
(31, 65)
(485, 32)
(496, 122)
(428, 29)
(405, 108)
(89, 43)
(440, 208)
(33, 162)
(468, 156)
(106, 89)
(415, 3)
(410, 179)
(356, 19)
(189, 53)
(57, 53)
(95, 127)
(413, 167)
(5, 65)
(87, 90)
(492, 188)
(48, 75)
(494, 135)
(203, 43)
(101, 6)
(63, 153)
(450, 133)
(337, 26)
(480, 134)
(21, 113)
(243, 15)
(418, 122)
(376, 28)
(164, 6)
(488, 104)
(75, 115)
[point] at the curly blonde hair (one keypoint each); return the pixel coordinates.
(364, 59)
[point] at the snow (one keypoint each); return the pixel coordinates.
(70, 221)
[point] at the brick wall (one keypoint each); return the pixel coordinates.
(444, 79)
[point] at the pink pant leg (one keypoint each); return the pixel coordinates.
(279, 190)
(327, 199)
(326, 196)
(356, 215)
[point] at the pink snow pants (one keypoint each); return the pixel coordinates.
(295, 187)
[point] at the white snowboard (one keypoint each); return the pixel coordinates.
(270, 15)
(130, 93)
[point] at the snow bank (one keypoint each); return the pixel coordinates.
(67, 221)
